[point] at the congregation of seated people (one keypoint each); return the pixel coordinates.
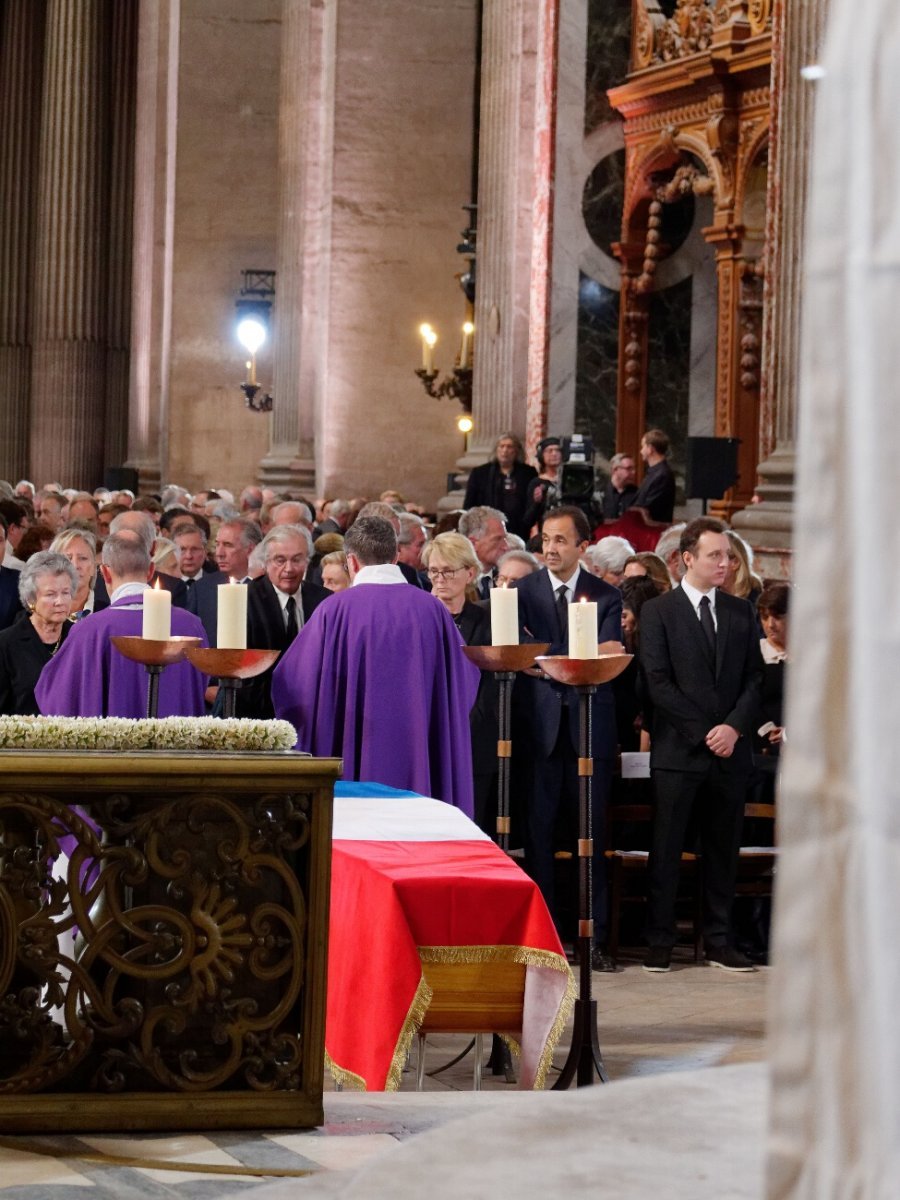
(515, 531)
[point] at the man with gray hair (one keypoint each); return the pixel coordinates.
(141, 524)
(378, 508)
(669, 550)
(279, 603)
(607, 558)
(411, 541)
(234, 541)
(485, 528)
(88, 677)
(378, 658)
(336, 519)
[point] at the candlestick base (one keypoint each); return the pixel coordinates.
(154, 654)
(150, 652)
(505, 658)
(580, 672)
(231, 667)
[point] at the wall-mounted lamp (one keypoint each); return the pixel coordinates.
(457, 386)
(254, 310)
(464, 423)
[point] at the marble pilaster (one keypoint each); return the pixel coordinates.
(20, 89)
(306, 105)
(69, 357)
(154, 203)
(123, 69)
(797, 34)
(510, 34)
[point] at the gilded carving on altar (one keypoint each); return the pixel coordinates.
(692, 27)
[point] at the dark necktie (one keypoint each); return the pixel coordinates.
(291, 627)
(707, 625)
(189, 585)
(485, 589)
(562, 611)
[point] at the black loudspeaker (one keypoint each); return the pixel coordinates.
(711, 467)
(120, 479)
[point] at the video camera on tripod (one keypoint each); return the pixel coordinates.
(577, 479)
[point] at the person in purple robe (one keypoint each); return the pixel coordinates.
(378, 677)
(88, 677)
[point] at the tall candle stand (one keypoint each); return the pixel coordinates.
(231, 667)
(504, 662)
(154, 654)
(585, 675)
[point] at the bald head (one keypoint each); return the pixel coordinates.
(135, 522)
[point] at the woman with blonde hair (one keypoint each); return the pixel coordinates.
(740, 580)
(79, 546)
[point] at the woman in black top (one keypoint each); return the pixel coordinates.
(47, 585)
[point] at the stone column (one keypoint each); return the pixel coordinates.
(69, 366)
(20, 91)
(154, 208)
(505, 221)
(304, 155)
(123, 48)
(796, 40)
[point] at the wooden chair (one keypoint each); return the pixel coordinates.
(628, 872)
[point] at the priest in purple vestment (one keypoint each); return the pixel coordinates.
(88, 677)
(378, 677)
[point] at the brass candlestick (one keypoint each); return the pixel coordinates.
(585, 675)
(154, 654)
(504, 662)
(231, 667)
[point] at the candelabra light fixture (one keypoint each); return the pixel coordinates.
(254, 310)
(457, 385)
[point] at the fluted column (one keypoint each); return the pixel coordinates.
(154, 206)
(21, 33)
(68, 380)
(505, 221)
(304, 150)
(123, 49)
(797, 33)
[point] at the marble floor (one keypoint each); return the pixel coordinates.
(650, 1026)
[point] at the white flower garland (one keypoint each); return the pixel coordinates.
(168, 733)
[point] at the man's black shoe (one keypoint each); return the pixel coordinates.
(726, 958)
(601, 961)
(658, 960)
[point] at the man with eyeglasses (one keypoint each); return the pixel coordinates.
(279, 603)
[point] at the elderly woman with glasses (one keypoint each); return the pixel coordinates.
(47, 585)
(452, 568)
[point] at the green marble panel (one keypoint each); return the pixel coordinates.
(598, 350)
(608, 51)
(669, 366)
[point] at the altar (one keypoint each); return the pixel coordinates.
(173, 975)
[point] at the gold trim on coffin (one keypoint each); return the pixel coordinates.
(525, 955)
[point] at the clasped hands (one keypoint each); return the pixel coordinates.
(721, 740)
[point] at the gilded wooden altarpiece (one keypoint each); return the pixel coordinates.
(173, 976)
(696, 112)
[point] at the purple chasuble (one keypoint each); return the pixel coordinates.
(88, 677)
(377, 676)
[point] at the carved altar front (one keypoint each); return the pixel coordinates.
(171, 973)
(696, 110)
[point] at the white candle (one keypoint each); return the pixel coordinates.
(504, 616)
(468, 330)
(157, 624)
(583, 630)
(231, 630)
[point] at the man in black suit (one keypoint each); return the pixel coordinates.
(701, 659)
(503, 483)
(657, 491)
(279, 604)
(620, 491)
(202, 586)
(544, 600)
